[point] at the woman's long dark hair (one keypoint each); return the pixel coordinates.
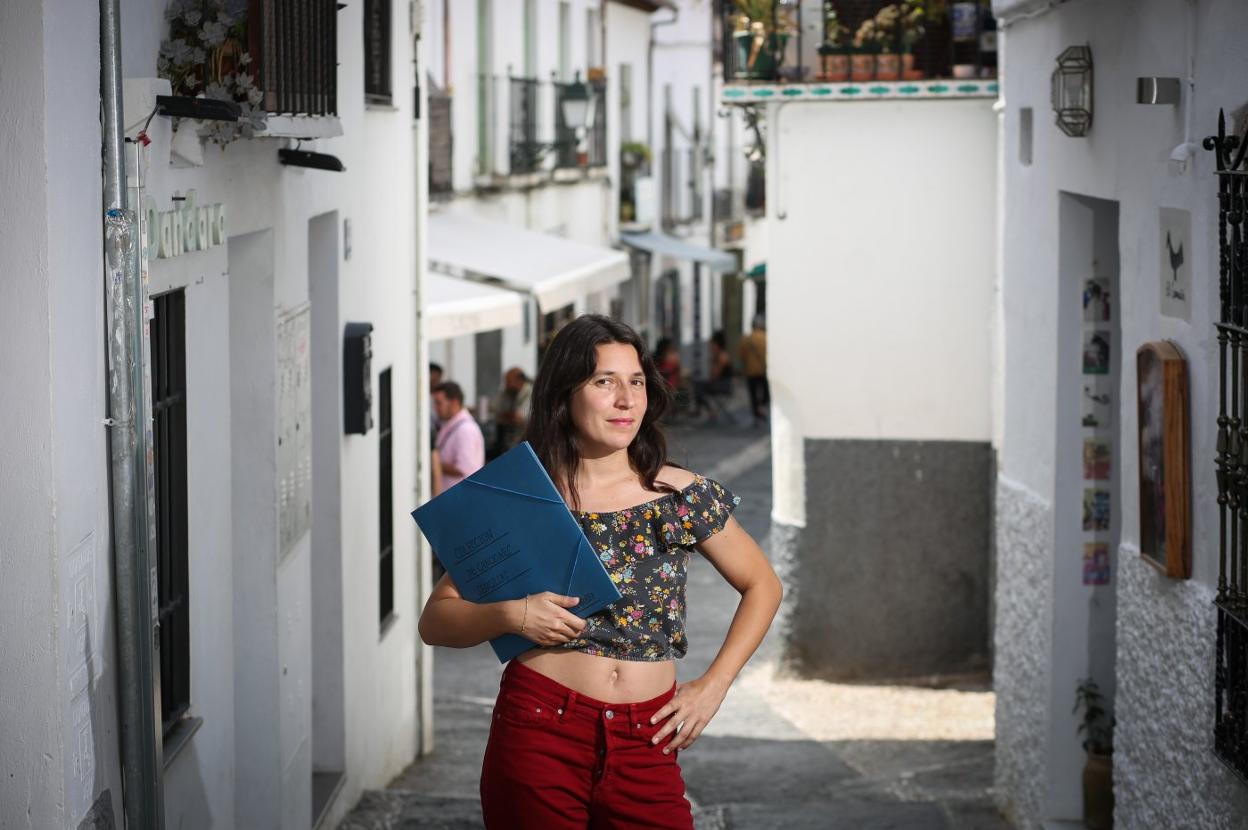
(569, 362)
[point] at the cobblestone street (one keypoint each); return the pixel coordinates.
(782, 752)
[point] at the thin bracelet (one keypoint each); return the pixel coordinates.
(525, 619)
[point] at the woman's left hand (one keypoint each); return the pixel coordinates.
(688, 712)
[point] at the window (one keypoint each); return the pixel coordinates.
(168, 355)
(385, 499)
(526, 150)
(295, 53)
(377, 86)
(441, 142)
(593, 36)
(530, 38)
(485, 88)
(565, 41)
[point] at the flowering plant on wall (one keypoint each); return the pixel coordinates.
(204, 56)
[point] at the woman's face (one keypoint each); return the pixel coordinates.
(607, 409)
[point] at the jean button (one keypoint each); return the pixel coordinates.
(608, 714)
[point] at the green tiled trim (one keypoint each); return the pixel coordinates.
(869, 91)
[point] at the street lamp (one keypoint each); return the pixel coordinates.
(577, 97)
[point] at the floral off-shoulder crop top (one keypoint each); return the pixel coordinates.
(646, 550)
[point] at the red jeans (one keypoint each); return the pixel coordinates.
(557, 759)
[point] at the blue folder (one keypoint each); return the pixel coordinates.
(505, 532)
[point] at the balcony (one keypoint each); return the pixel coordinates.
(530, 148)
(856, 50)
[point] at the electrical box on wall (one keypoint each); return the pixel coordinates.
(357, 378)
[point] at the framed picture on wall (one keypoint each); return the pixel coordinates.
(1165, 499)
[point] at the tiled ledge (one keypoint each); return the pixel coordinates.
(864, 91)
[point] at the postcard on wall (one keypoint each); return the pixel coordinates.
(1176, 258)
(1096, 460)
(1096, 352)
(1095, 563)
(1097, 399)
(1095, 509)
(1096, 301)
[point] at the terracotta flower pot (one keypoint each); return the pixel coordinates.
(862, 66)
(835, 67)
(1098, 792)
(888, 67)
(908, 72)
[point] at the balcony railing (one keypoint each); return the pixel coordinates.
(294, 45)
(800, 43)
(526, 150)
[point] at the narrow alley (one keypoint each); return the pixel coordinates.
(781, 753)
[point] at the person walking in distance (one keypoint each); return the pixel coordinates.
(753, 353)
(588, 724)
(461, 447)
(511, 410)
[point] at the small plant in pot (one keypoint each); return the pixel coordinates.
(911, 30)
(888, 63)
(833, 55)
(866, 47)
(1096, 727)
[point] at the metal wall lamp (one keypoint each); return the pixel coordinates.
(1072, 91)
(306, 158)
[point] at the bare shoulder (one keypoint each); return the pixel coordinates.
(675, 477)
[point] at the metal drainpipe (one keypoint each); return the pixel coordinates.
(134, 575)
(650, 79)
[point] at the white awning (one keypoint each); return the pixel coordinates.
(454, 307)
(553, 270)
(654, 242)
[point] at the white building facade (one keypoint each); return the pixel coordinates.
(1109, 242)
(288, 577)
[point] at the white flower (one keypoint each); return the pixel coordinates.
(244, 59)
(255, 96)
(244, 80)
(192, 17)
(213, 34)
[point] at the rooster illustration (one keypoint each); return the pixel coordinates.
(1176, 262)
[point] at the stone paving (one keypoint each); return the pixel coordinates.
(781, 753)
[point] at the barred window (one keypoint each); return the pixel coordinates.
(168, 351)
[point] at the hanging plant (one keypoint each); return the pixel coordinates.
(204, 56)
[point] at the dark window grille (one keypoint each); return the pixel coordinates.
(1231, 668)
(168, 352)
(441, 142)
(526, 151)
(565, 135)
(385, 496)
(294, 47)
(793, 57)
(598, 132)
(377, 76)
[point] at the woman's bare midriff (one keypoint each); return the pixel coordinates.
(603, 678)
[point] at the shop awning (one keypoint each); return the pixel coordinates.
(553, 270)
(454, 307)
(654, 242)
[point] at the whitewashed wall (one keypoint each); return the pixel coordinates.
(1165, 774)
(880, 272)
(58, 722)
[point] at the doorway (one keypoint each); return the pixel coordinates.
(1088, 483)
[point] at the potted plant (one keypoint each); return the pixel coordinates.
(1096, 727)
(634, 155)
(912, 27)
(204, 56)
(762, 33)
(833, 55)
(866, 48)
(888, 62)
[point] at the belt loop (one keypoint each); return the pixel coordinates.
(567, 705)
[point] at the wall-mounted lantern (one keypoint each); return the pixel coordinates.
(357, 378)
(1072, 91)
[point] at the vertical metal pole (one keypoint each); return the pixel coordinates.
(133, 573)
(699, 372)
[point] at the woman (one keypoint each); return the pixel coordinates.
(667, 360)
(587, 726)
(719, 379)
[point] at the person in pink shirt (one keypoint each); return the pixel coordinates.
(461, 447)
